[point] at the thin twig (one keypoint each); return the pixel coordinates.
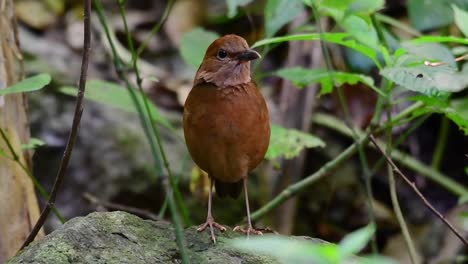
(75, 125)
(406, 160)
(416, 190)
(439, 63)
(137, 211)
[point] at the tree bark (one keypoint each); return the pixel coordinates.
(18, 203)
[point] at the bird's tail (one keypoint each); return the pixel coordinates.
(232, 189)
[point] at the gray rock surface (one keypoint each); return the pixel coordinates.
(119, 237)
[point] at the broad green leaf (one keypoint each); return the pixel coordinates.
(280, 12)
(455, 109)
(288, 143)
(114, 95)
(193, 45)
(302, 77)
(430, 52)
(429, 14)
(461, 19)
(360, 29)
(32, 144)
(433, 81)
(366, 6)
(343, 39)
(289, 250)
(353, 243)
(233, 4)
(334, 8)
(29, 84)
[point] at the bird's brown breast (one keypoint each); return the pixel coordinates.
(227, 130)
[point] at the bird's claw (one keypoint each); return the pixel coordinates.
(211, 223)
(248, 231)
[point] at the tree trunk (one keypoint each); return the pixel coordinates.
(18, 204)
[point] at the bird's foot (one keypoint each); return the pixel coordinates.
(211, 223)
(249, 230)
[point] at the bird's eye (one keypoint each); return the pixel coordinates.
(222, 54)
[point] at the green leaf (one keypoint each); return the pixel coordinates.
(30, 84)
(288, 250)
(430, 52)
(424, 14)
(233, 4)
(334, 8)
(360, 29)
(288, 143)
(280, 12)
(301, 77)
(366, 6)
(432, 81)
(343, 39)
(455, 109)
(32, 144)
(193, 45)
(353, 243)
(114, 95)
(461, 19)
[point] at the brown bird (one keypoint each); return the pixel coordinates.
(226, 122)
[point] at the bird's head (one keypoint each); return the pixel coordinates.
(226, 62)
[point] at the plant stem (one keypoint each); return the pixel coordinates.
(393, 22)
(416, 190)
(441, 143)
(394, 194)
(144, 120)
(403, 158)
(349, 123)
(155, 28)
(15, 158)
(175, 189)
(299, 186)
(75, 125)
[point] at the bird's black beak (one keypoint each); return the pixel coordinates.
(248, 55)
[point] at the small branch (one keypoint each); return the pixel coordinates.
(416, 190)
(309, 180)
(137, 211)
(74, 130)
(406, 160)
(439, 63)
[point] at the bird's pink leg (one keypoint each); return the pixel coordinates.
(209, 218)
(250, 229)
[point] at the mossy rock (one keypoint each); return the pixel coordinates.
(119, 237)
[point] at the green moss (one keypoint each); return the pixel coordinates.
(119, 237)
